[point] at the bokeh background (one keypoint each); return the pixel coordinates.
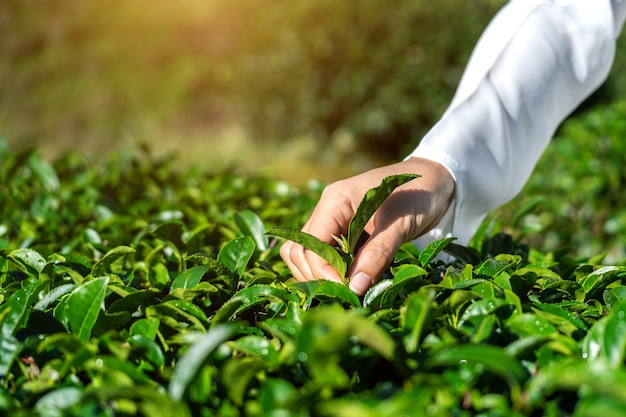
(300, 87)
(294, 89)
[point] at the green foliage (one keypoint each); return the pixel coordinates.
(133, 289)
(573, 199)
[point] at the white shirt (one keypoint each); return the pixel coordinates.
(534, 64)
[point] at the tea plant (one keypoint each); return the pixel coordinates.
(133, 289)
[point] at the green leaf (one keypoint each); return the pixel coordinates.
(486, 357)
(15, 311)
(415, 315)
(614, 296)
(236, 254)
(251, 225)
(30, 261)
(145, 327)
(147, 349)
(102, 266)
(373, 296)
(561, 313)
(349, 324)
(195, 357)
(324, 250)
(83, 306)
(595, 377)
(135, 301)
(54, 403)
(600, 279)
(529, 324)
(114, 369)
(189, 278)
(171, 232)
(407, 278)
(45, 173)
(9, 349)
(250, 296)
(189, 310)
(53, 295)
(372, 200)
(600, 405)
(237, 375)
(606, 340)
(328, 289)
(221, 271)
(433, 249)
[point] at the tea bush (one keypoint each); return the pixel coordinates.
(137, 287)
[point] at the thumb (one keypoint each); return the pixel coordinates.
(372, 259)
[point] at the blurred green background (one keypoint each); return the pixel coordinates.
(295, 89)
(311, 88)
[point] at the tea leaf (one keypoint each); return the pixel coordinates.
(9, 349)
(189, 278)
(83, 306)
(250, 296)
(372, 200)
(15, 311)
(328, 289)
(415, 315)
(192, 361)
(237, 376)
(607, 338)
(433, 249)
(54, 403)
(251, 225)
(102, 266)
(236, 254)
(147, 349)
(171, 232)
(324, 250)
(31, 261)
(487, 358)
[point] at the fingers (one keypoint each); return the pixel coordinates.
(391, 228)
(306, 265)
(371, 261)
(330, 217)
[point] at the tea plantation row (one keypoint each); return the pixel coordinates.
(133, 288)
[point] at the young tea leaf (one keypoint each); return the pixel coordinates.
(83, 306)
(251, 225)
(324, 250)
(102, 266)
(607, 338)
(415, 316)
(433, 249)
(30, 261)
(330, 290)
(192, 361)
(9, 349)
(189, 278)
(236, 254)
(372, 200)
(15, 311)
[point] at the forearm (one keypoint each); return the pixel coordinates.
(534, 64)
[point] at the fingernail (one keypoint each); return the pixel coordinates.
(360, 283)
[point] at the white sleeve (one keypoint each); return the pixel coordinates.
(536, 61)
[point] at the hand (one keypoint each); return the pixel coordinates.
(410, 211)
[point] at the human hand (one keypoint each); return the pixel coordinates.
(410, 211)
